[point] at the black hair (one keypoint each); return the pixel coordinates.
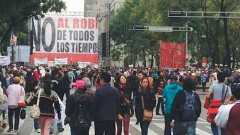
(47, 87)
(173, 78)
(134, 72)
(118, 80)
(221, 77)
(236, 92)
(105, 76)
(188, 84)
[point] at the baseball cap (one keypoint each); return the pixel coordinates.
(79, 84)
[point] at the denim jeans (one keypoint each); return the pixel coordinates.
(16, 113)
(215, 130)
(188, 128)
(59, 126)
(168, 119)
(36, 124)
(144, 127)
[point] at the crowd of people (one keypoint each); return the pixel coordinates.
(121, 93)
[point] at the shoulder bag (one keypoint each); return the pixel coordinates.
(147, 114)
(21, 100)
(214, 106)
(35, 110)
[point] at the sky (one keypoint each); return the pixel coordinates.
(74, 5)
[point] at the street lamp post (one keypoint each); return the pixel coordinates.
(186, 40)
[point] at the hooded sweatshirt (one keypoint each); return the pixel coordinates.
(169, 93)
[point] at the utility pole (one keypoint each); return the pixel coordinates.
(107, 23)
(186, 40)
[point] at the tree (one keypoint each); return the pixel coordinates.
(15, 13)
(211, 33)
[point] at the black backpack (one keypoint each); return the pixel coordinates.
(189, 108)
(81, 115)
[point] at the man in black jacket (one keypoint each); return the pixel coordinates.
(106, 106)
(79, 110)
(186, 108)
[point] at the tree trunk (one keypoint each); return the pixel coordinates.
(152, 60)
(216, 47)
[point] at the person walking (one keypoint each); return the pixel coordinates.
(79, 110)
(159, 92)
(3, 106)
(218, 91)
(204, 81)
(169, 93)
(145, 100)
(232, 127)
(47, 103)
(126, 106)
(106, 106)
(187, 108)
(14, 91)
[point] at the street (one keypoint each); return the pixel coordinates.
(156, 126)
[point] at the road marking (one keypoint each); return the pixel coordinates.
(201, 132)
(150, 131)
(13, 133)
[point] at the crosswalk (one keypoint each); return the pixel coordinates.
(156, 127)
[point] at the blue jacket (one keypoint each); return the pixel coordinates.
(169, 93)
(106, 103)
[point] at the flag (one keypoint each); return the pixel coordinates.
(13, 39)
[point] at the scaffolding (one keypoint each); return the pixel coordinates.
(107, 23)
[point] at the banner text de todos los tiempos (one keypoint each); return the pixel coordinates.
(65, 34)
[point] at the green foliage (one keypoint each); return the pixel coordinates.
(15, 13)
(208, 39)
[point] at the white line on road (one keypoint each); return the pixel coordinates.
(201, 132)
(150, 131)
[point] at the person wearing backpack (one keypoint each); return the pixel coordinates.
(187, 108)
(79, 108)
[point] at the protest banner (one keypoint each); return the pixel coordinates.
(71, 37)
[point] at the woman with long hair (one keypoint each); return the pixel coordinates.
(125, 105)
(145, 98)
(47, 103)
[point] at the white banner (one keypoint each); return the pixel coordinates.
(40, 61)
(21, 53)
(60, 61)
(65, 34)
(50, 63)
(4, 60)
